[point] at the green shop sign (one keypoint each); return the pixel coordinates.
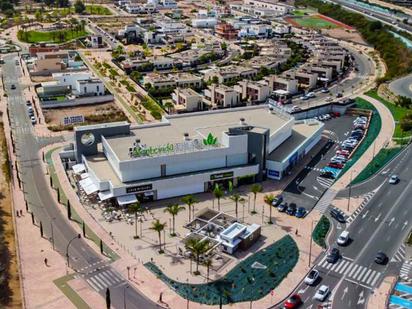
(152, 151)
(210, 140)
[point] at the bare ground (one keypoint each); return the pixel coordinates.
(344, 34)
(10, 293)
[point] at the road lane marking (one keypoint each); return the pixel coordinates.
(353, 270)
(370, 277)
(344, 267)
(357, 272)
(366, 275)
(360, 274)
(357, 283)
(340, 266)
(376, 279)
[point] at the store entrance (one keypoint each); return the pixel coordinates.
(148, 196)
(225, 184)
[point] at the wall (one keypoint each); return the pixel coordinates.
(77, 101)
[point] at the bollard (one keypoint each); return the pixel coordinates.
(41, 230)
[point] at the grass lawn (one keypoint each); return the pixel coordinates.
(314, 22)
(397, 113)
(320, 231)
(60, 36)
(90, 10)
(245, 282)
(380, 160)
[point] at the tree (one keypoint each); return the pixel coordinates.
(136, 208)
(158, 227)
(198, 247)
(218, 194)
(269, 198)
(136, 76)
(255, 189)
(79, 7)
(208, 263)
(174, 210)
(38, 15)
(237, 198)
(169, 106)
(190, 201)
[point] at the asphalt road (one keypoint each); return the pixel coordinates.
(382, 225)
(402, 86)
(42, 204)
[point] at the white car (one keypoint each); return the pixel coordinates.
(33, 120)
(322, 293)
(310, 95)
(312, 277)
(394, 179)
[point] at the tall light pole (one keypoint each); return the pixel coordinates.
(124, 295)
(350, 190)
(51, 229)
(78, 236)
(310, 245)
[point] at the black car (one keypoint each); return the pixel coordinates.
(381, 258)
(282, 207)
(277, 200)
(291, 209)
(13, 87)
(336, 214)
(327, 174)
(333, 256)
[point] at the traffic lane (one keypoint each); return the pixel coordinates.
(402, 86)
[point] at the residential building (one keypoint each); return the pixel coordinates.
(253, 92)
(189, 153)
(186, 99)
(206, 22)
(47, 63)
(305, 79)
(226, 31)
(183, 80)
(230, 73)
(221, 96)
(282, 83)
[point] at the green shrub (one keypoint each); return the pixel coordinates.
(320, 231)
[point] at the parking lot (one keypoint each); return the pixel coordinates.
(308, 186)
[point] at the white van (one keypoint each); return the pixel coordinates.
(343, 238)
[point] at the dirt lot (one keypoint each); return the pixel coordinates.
(106, 112)
(10, 295)
(344, 34)
(41, 79)
(113, 24)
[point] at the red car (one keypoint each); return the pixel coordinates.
(293, 302)
(336, 165)
(342, 152)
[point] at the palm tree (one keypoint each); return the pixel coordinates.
(190, 201)
(158, 227)
(237, 198)
(173, 210)
(255, 189)
(169, 106)
(136, 208)
(269, 198)
(198, 247)
(218, 193)
(208, 263)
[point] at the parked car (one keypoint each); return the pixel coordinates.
(339, 95)
(336, 165)
(333, 256)
(13, 86)
(342, 152)
(312, 277)
(343, 238)
(327, 174)
(295, 109)
(28, 103)
(33, 120)
(291, 209)
(293, 302)
(277, 200)
(300, 212)
(336, 214)
(394, 179)
(324, 90)
(282, 207)
(381, 258)
(322, 293)
(311, 95)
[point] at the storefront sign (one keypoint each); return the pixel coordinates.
(221, 176)
(273, 173)
(139, 188)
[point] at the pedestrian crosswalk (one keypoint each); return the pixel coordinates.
(406, 271)
(358, 210)
(325, 182)
(312, 168)
(352, 272)
(399, 256)
(104, 279)
(325, 201)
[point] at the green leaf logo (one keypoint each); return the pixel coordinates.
(210, 140)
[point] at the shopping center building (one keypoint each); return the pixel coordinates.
(189, 153)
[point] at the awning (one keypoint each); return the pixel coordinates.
(78, 168)
(126, 199)
(84, 175)
(91, 189)
(105, 195)
(85, 182)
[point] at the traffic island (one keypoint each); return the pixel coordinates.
(320, 231)
(250, 280)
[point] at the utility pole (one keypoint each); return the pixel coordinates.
(350, 190)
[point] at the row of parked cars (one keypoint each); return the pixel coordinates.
(30, 112)
(290, 208)
(339, 160)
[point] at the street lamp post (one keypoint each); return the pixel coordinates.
(78, 236)
(51, 230)
(350, 190)
(124, 295)
(310, 245)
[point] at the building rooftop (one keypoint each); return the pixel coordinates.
(301, 131)
(198, 126)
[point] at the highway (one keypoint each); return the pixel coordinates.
(381, 226)
(46, 210)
